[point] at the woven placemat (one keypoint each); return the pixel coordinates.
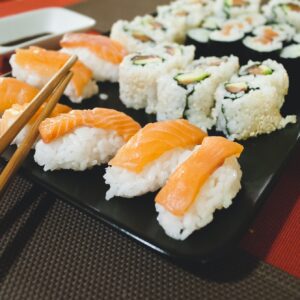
(55, 251)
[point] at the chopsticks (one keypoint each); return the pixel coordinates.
(54, 88)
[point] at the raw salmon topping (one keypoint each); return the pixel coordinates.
(47, 62)
(182, 188)
(13, 91)
(10, 115)
(104, 118)
(102, 46)
(154, 140)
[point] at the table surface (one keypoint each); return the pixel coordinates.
(50, 250)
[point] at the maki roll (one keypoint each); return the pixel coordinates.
(139, 73)
(268, 40)
(190, 13)
(234, 8)
(12, 114)
(200, 37)
(149, 157)
(82, 139)
(190, 93)
(146, 31)
(268, 72)
(13, 91)
(290, 58)
(208, 180)
(36, 66)
(99, 53)
(283, 11)
(248, 108)
(228, 39)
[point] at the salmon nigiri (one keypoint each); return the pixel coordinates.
(81, 139)
(100, 53)
(37, 65)
(149, 157)
(13, 91)
(208, 180)
(10, 115)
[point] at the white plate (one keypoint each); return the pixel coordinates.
(53, 22)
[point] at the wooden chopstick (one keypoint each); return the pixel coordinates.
(22, 151)
(35, 104)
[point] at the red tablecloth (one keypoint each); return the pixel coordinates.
(274, 235)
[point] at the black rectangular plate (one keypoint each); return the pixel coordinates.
(261, 162)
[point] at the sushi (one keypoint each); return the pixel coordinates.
(139, 73)
(247, 108)
(209, 179)
(190, 13)
(267, 40)
(235, 8)
(11, 114)
(13, 91)
(146, 31)
(99, 53)
(36, 66)
(81, 139)
(145, 162)
(190, 93)
(228, 39)
(290, 58)
(269, 72)
(283, 11)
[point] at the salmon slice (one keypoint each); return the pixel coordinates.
(102, 46)
(154, 140)
(10, 115)
(239, 2)
(13, 91)
(47, 62)
(183, 186)
(103, 118)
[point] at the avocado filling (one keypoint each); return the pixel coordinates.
(258, 70)
(141, 37)
(237, 87)
(191, 77)
(142, 60)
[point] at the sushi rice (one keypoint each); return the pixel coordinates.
(283, 11)
(124, 183)
(146, 31)
(273, 73)
(39, 81)
(194, 99)
(79, 150)
(139, 73)
(218, 192)
(233, 8)
(252, 109)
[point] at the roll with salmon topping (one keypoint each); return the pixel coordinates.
(11, 115)
(82, 139)
(99, 53)
(145, 162)
(36, 66)
(209, 179)
(13, 91)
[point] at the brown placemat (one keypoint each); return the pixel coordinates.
(55, 251)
